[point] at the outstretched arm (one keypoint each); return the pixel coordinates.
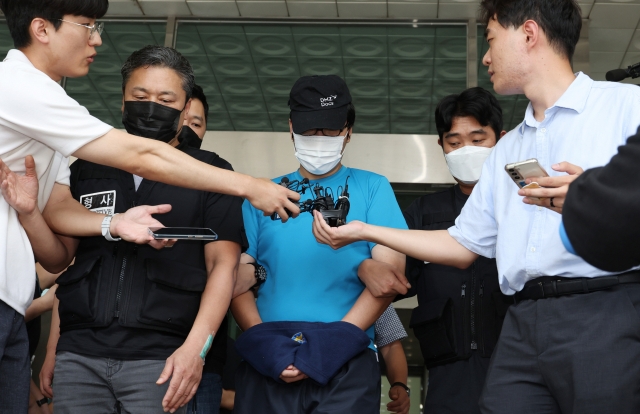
(435, 246)
(158, 161)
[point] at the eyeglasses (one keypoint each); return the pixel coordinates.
(97, 27)
(326, 132)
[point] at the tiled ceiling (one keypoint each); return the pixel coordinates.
(394, 73)
(350, 9)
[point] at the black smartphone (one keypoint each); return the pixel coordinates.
(183, 233)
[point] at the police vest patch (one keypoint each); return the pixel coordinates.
(103, 202)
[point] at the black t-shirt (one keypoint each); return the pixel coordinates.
(222, 213)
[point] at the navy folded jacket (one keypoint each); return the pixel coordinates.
(316, 348)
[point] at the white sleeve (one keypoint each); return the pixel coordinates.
(40, 109)
(64, 173)
(476, 227)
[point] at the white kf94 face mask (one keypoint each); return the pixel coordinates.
(465, 163)
(318, 154)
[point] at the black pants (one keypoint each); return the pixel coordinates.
(355, 389)
(455, 388)
(14, 362)
(572, 354)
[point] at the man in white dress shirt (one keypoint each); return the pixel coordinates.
(571, 342)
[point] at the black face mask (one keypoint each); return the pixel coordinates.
(151, 120)
(188, 134)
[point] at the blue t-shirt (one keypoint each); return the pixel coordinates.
(308, 281)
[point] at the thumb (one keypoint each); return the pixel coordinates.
(166, 372)
(567, 167)
(403, 279)
(159, 209)
(30, 166)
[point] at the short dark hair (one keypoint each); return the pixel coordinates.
(198, 94)
(561, 20)
(160, 56)
(475, 102)
(20, 14)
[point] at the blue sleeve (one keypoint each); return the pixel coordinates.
(251, 228)
(383, 207)
(565, 240)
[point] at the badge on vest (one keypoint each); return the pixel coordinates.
(103, 202)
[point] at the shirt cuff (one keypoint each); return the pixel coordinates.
(565, 240)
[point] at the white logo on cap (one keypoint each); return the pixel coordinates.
(328, 101)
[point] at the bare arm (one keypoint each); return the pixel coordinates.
(246, 275)
(397, 371)
(184, 366)
(158, 161)
(368, 308)
(243, 305)
(41, 305)
(46, 373)
(435, 246)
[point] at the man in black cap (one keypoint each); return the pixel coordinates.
(324, 362)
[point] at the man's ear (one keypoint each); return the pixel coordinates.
(532, 32)
(291, 129)
(503, 133)
(349, 133)
(40, 30)
(440, 142)
(187, 107)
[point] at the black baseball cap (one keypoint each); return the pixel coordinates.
(319, 101)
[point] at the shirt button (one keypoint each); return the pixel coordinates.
(539, 208)
(543, 130)
(533, 249)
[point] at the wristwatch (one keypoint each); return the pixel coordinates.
(399, 384)
(42, 402)
(260, 273)
(106, 223)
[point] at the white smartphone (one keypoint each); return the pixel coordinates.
(520, 171)
(182, 233)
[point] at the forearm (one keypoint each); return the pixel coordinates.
(434, 246)
(54, 331)
(214, 303)
(52, 252)
(228, 399)
(157, 161)
(396, 362)
(68, 217)
(37, 308)
(245, 280)
(245, 311)
(366, 311)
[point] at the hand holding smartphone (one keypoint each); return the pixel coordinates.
(520, 171)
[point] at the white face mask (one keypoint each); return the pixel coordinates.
(318, 154)
(465, 163)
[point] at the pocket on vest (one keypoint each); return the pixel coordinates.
(78, 293)
(172, 295)
(434, 327)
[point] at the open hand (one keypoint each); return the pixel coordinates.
(400, 402)
(271, 198)
(554, 189)
(133, 225)
(20, 191)
(292, 374)
(336, 237)
(184, 367)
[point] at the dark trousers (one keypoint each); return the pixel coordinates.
(209, 395)
(15, 373)
(571, 354)
(455, 388)
(355, 389)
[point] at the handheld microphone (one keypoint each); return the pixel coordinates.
(617, 75)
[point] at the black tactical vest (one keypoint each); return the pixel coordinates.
(140, 286)
(459, 311)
